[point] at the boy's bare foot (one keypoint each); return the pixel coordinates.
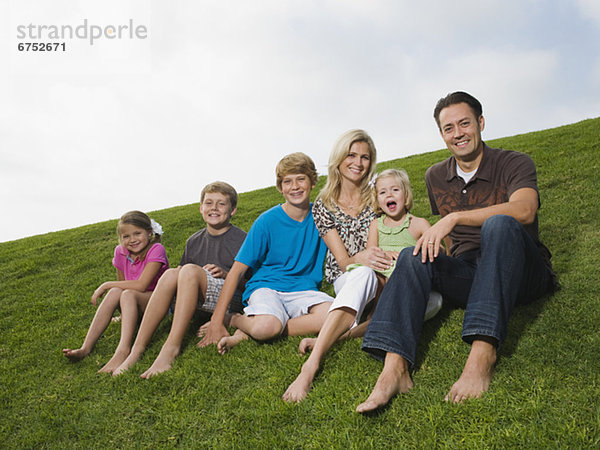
(306, 345)
(75, 355)
(298, 390)
(394, 379)
(162, 363)
(476, 375)
(115, 361)
(128, 363)
(228, 342)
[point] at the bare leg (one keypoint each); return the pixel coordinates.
(394, 379)
(131, 303)
(261, 327)
(99, 323)
(228, 342)
(157, 308)
(337, 322)
(191, 281)
(310, 323)
(204, 327)
(476, 375)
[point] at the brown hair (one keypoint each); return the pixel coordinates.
(296, 163)
(222, 188)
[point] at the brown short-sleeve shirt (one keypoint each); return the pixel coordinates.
(500, 174)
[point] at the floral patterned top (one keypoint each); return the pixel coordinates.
(352, 230)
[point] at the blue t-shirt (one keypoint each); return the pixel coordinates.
(283, 254)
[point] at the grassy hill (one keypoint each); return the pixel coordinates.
(546, 391)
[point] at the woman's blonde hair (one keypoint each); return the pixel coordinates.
(331, 191)
(402, 179)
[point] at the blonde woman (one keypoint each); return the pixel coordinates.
(343, 213)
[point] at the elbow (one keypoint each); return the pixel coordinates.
(528, 215)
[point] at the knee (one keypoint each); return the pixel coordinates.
(129, 296)
(363, 272)
(190, 273)
(500, 227)
(268, 328)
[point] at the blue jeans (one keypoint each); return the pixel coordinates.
(508, 269)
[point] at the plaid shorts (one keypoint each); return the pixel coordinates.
(213, 290)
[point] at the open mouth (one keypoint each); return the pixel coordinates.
(391, 205)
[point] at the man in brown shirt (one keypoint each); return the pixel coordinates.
(488, 201)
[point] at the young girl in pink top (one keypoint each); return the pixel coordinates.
(140, 260)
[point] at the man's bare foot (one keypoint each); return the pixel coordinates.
(128, 363)
(115, 361)
(228, 342)
(162, 363)
(394, 379)
(306, 345)
(300, 387)
(476, 375)
(75, 355)
(204, 327)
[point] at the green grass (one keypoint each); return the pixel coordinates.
(546, 391)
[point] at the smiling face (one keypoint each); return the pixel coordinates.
(134, 239)
(461, 132)
(296, 190)
(356, 164)
(391, 197)
(216, 210)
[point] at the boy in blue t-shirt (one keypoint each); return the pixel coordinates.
(285, 254)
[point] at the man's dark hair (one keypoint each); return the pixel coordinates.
(453, 99)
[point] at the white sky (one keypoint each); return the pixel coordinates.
(224, 89)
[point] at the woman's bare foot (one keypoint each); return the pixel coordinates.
(300, 387)
(306, 345)
(476, 375)
(163, 361)
(115, 361)
(228, 342)
(75, 355)
(393, 380)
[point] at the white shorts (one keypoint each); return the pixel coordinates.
(354, 290)
(283, 305)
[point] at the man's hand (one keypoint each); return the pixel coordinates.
(430, 242)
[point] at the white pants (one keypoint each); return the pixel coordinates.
(354, 290)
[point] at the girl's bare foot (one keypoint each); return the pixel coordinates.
(393, 380)
(115, 361)
(75, 355)
(298, 390)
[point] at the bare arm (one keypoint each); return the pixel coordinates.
(141, 284)
(372, 256)
(522, 205)
(216, 330)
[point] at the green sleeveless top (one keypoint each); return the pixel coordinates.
(391, 239)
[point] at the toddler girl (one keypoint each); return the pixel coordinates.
(140, 260)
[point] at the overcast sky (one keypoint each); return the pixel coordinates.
(221, 90)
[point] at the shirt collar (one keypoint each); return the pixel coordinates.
(484, 171)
